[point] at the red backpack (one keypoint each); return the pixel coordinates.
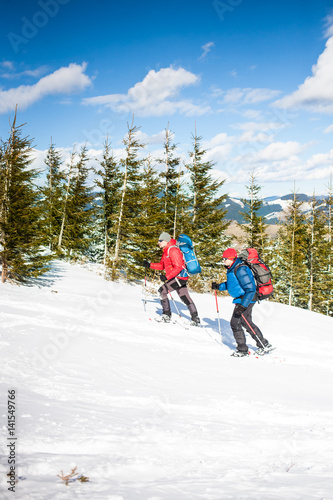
(261, 272)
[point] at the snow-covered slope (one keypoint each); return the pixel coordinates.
(156, 412)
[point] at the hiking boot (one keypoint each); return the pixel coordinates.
(166, 318)
(195, 321)
(239, 354)
(264, 348)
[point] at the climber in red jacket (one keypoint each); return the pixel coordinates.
(175, 278)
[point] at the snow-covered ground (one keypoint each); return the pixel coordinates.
(156, 412)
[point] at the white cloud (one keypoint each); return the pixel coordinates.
(35, 73)
(206, 48)
(258, 126)
(150, 139)
(250, 136)
(280, 162)
(7, 64)
(219, 153)
(252, 114)
(321, 159)
(218, 140)
(38, 156)
(249, 95)
(254, 96)
(154, 95)
(258, 132)
(216, 92)
(329, 25)
(65, 80)
(278, 151)
(316, 92)
(219, 148)
(233, 96)
(328, 129)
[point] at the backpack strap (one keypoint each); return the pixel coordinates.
(255, 281)
(238, 266)
(184, 264)
(172, 246)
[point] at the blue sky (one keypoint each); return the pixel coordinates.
(255, 78)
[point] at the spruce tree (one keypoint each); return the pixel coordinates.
(20, 210)
(290, 270)
(129, 207)
(317, 254)
(79, 211)
(328, 287)
(171, 182)
(254, 225)
(108, 198)
(149, 221)
(329, 222)
(64, 209)
(53, 197)
(205, 222)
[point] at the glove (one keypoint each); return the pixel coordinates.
(163, 278)
(238, 311)
(215, 286)
(145, 263)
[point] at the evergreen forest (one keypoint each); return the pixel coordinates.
(110, 211)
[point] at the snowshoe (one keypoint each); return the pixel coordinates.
(264, 350)
(195, 321)
(165, 318)
(239, 354)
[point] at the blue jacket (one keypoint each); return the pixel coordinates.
(240, 285)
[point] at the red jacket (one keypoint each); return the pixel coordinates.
(172, 263)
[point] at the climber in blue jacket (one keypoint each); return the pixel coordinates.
(241, 286)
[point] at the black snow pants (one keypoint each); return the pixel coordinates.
(237, 324)
(180, 287)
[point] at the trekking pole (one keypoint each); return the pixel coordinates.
(252, 330)
(218, 314)
(174, 303)
(145, 293)
(181, 322)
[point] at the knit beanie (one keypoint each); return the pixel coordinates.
(229, 253)
(165, 237)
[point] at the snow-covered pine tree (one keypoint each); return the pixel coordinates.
(64, 208)
(108, 198)
(329, 221)
(53, 197)
(149, 222)
(290, 271)
(205, 222)
(171, 183)
(181, 217)
(129, 207)
(253, 224)
(20, 210)
(80, 210)
(317, 254)
(329, 236)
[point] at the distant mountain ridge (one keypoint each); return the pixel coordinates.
(272, 208)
